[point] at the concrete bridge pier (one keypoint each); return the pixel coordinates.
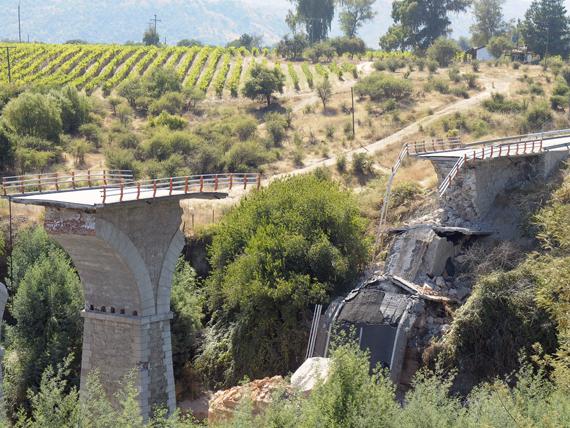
(125, 255)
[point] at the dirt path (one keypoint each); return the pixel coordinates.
(491, 85)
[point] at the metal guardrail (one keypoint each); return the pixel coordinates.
(180, 186)
(440, 146)
(404, 153)
(435, 145)
(75, 180)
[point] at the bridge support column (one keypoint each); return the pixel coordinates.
(125, 255)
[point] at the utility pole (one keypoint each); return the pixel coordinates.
(352, 110)
(19, 25)
(155, 20)
(8, 59)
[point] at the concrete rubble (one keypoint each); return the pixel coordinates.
(224, 404)
(310, 374)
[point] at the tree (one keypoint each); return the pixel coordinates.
(443, 50)
(354, 14)
(497, 46)
(131, 89)
(292, 244)
(263, 83)
(315, 15)
(488, 21)
(418, 23)
(292, 48)
(6, 149)
(545, 28)
(248, 41)
(161, 81)
(187, 300)
(48, 326)
(188, 43)
(352, 46)
(151, 37)
(324, 91)
(74, 108)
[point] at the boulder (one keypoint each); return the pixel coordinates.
(224, 403)
(310, 373)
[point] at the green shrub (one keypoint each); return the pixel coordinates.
(35, 115)
(537, 118)
(499, 104)
(170, 102)
(437, 84)
(92, 133)
(379, 86)
(454, 74)
(432, 66)
(443, 51)
(170, 121)
(245, 157)
(276, 125)
(536, 89)
(362, 165)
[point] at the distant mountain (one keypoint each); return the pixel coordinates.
(212, 21)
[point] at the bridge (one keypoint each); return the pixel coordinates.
(472, 175)
(124, 239)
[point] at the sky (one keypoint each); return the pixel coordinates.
(213, 21)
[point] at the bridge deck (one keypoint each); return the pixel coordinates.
(93, 198)
(528, 147)
(39, 191)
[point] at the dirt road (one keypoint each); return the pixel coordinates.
(491, 85)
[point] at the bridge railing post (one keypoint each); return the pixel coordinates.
(258, 181)
(201, 183)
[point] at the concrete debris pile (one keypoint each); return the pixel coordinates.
(310, 374)
(224, 404)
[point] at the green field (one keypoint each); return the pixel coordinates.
(218, 71)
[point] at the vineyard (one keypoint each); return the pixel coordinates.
(220, 72)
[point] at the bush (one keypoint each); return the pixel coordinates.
(74, 108)
(92, 133)
(35, 115)
(245, 157)
(379, 86)
(120, 159)
(499, 320)
(538, 118)
(170, 121)
(443, 51)
(276, 125)
(439, 85)
(499, 104)
(432, 66)
(454, 75)
(471, 80)
(170, 102)
(362, 165)
(498, 45)
(160, 81)
(244, 127)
